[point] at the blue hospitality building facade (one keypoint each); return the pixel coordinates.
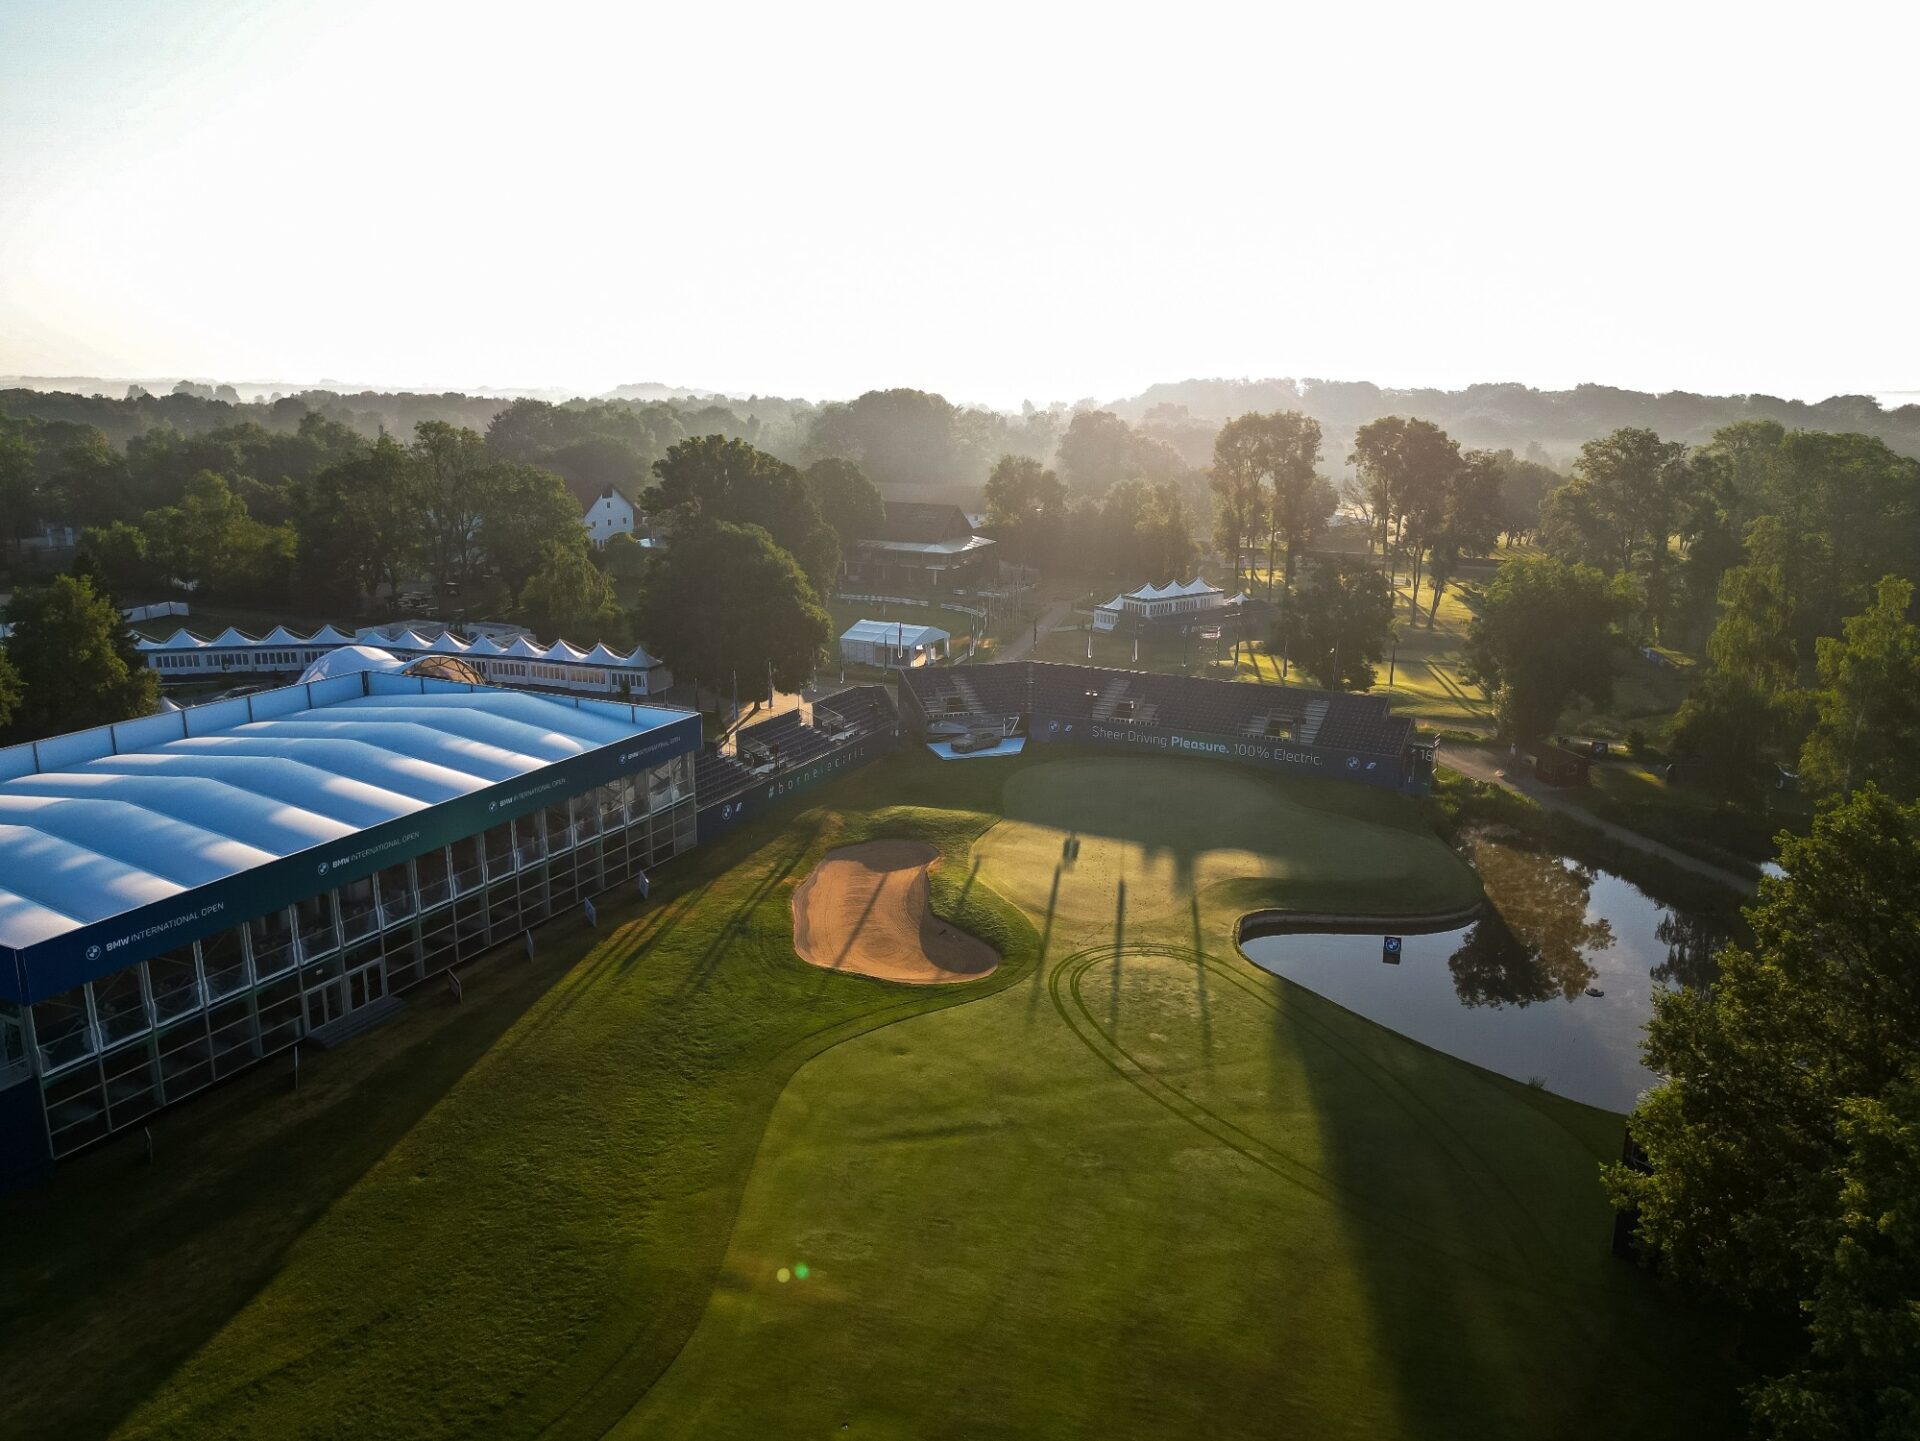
(186, 894)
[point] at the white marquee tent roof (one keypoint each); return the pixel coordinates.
(88, 839)
(894, 633)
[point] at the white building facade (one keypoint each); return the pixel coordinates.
(610, 515)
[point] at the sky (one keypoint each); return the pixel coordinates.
(1000, 203)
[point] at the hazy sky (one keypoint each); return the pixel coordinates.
(995, 202)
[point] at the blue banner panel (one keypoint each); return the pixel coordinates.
(1249, 750)
(721, 816)
(111, 945)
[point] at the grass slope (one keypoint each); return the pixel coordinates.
(1152, 1191)
(1132, 1188)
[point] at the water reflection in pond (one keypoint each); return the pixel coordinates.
(1514, 991)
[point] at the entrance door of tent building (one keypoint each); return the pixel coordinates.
(366, 985)
(328, 1003)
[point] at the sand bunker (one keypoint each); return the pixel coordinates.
(864, 910)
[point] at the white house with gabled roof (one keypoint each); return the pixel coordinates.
(610, 514)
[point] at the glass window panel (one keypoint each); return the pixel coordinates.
(223, 963)
(270, 938)
(467, 873)
(396, 893)
(175, 980)
(499, 844)
(120, 1006)
(433, 878)
(186, 1059)
(470, 924)
(559, 827)
(533, 896)
(660, 790)
(363, 955)
(76, 1108)
(130, 1088)
(529, 838)
(320, 972)
(612, 805)
(235, 1035)
(503, 908)
(404, 956)
(358, 914)
(586, 816)
(587, 859)
(64, 1029)
(278, 1005)
(313, 918)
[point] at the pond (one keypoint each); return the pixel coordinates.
(1551, 985)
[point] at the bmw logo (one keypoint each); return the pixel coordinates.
(493, 805)
(93, 953)
(1353, 763)
(323, 868)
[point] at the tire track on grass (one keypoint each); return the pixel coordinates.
(1065, 979)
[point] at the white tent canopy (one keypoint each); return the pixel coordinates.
(893, 643)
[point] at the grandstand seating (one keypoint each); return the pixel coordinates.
(1358, 723)
(716, 774)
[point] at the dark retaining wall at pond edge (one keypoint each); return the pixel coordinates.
(1256, 925)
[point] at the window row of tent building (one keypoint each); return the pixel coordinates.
(514, 661)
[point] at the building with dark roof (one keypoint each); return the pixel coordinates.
(185, 894)
(920, 545)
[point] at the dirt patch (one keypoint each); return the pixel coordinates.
(864, 909)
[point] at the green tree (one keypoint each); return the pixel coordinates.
(569, 597)
(1408, 469)
(1867, 725)
(845, 498)
(1469, 520)
(1859, 1376)
(210, 537)
(730, 481)
(1280, 452)
(1543, 636)
(625, 557)
(1726, 730)
(1026, 504)
(1337, 628)
(9, 694)
(73, 661)
(449, 476)
(1240, 499)
(1783, 1139)
(522, 511)
(1099, 450)
(119, 553)
(724, 602)
(1622, 508)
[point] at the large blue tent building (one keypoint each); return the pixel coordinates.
(185, 894)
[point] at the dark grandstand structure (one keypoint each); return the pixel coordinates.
(788, 753)
(1290, 728)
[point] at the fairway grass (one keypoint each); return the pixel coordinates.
(1126, 1186)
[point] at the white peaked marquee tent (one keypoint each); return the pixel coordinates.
(525, 662)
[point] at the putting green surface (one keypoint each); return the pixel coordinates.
(1112, 843)
(1126, 1186)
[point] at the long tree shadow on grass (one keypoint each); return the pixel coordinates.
(169, 1253)
(1495, 1307)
